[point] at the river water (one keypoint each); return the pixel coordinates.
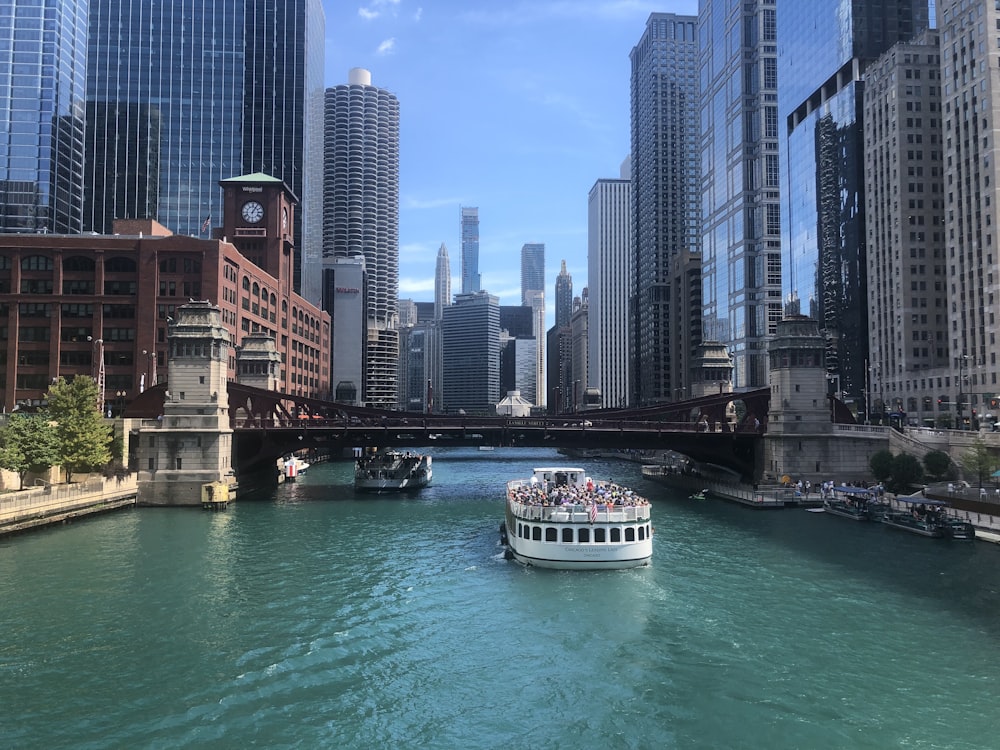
(311, 618)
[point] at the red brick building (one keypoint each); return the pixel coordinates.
(66, 300)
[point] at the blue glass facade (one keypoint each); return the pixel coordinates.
(182, 95)
(471, 281)
(43, 56)
(741, 241)
(824, 50)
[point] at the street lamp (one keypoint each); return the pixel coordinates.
(120, 395)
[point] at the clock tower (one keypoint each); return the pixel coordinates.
(258, 220)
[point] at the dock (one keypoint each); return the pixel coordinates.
(760, 497)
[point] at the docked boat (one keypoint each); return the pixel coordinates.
(700, 495)
(392, 471)
(855, 503)
(295, 466)
(561, 518)
(919, 516)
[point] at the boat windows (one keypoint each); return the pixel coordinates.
(536, 533)
(567, 535)
(642, 533)
(525, 532)
(550, 534)
(584, 536)
(600, 535)
(616, 536)
(629, 533)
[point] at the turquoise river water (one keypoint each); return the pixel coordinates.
(312, 618)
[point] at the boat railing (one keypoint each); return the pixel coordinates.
(580, 513)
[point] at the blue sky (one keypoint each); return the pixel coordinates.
(514, 107)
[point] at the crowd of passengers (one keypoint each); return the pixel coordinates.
(591, 494)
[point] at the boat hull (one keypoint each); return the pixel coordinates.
(579, 525)
(921, 528)
(393, 472)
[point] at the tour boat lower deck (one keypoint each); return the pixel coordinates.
(560, 518)
(392, 471)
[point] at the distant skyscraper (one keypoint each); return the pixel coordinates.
(532, 271)
(666, 198)
(471, 281)
(608, 252)
(564, 296)
(442, 282)
(824, 51)
(43, 77)
(741, 230)
(361, 216)
(183, 95)
(470, 332)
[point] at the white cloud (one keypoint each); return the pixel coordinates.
(387, 47)
(368, 14)
(420, 204)
(418, 14)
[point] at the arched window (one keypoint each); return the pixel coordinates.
(629, 534)
(263, 294)
(246, 283)
(284, 305)
(36, 263)
(256, 289)
(536, 533)
(274, 300)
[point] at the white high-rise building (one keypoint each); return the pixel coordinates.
(608, 253)
(361, 217)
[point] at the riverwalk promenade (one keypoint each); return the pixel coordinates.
(61, 503)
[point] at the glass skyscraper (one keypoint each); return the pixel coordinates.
(666, 199)
(471, 281)
(741, 242)
(43, 53)
(824, 51)
(181, 95)
(532, 271)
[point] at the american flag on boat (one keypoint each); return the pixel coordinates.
(593, 512)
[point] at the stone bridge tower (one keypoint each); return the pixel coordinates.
(191, 444)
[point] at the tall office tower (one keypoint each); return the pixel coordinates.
(825, 50)
(904, 201)
(560, 358)
(442, 282)
(532, 270)
(564, 296)
(361, 216)
(579, 364)
(43, 78)
(470, 341)
(971, 94)
(608, 252)
(666, 196)
(741, 215)
(471, 281)
(183, 95)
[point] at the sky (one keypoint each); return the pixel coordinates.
(515, 106)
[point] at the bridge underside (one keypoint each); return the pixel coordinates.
(723, 429)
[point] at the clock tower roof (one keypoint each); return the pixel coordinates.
(258, 178)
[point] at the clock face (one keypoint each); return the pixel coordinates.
(252, 212)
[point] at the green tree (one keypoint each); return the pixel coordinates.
(28, 444)
(907, 471)
(979, 462)
(938, 466)
(84, 438)
(881, 465)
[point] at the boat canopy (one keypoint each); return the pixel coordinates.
(922, 501)
(860, 491)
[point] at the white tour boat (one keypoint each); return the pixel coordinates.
(561, 518)
(391, 471)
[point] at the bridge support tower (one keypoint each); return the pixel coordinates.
(191, 444)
